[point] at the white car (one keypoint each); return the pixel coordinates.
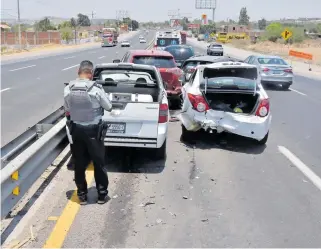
(142, 40)
(226, 97)
(140, 113)
(125, 44)
(141, 37)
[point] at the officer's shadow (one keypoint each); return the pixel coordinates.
(132, 160)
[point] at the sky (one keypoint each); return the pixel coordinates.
(157, 10)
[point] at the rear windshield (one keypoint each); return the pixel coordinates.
(157, 61)
(241, 78)
(102, 73)
(126, 77)
(274, 61)
(180, 53)
(164, 42)
(216, 46)
(230, 83)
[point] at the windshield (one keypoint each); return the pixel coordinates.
(163, 42)
(229, 82)
(157, 61)
(126, 77)
(274, 61)
(180, 53)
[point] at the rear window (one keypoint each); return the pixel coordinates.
(216, 46)
(157, 61)
(239, 78)
(125, 76)
(274, 61)
(180, 53)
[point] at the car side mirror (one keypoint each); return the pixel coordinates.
(116, 61)
(66, 83)
(165, 85)
(179, 65)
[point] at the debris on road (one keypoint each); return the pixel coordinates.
(115, 196)
(185, 197)
(146, 204)
(158, 221)
(172, 214)
(205, 220)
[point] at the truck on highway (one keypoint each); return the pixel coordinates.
(166, 38)
(109, 37)
(183, 37)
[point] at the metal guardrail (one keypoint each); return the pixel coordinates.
(28, 156)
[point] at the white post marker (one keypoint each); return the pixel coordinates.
(316, 180)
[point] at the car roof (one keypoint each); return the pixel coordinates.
(151, 53)
(123, 65)
(267, 56)
(229, 64)
(209, 58)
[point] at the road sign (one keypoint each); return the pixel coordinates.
(286, 34)
(212, 35)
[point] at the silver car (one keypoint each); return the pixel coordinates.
(273, 70)
(215, 49)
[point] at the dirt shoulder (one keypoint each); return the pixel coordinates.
(309, 46)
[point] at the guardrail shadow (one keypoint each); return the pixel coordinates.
(132, 160)
(231, 142)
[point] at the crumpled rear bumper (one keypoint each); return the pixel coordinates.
(239, 124)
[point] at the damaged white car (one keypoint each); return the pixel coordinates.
(226, 97)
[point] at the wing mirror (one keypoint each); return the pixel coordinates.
(165, 85)
(66, 83)
(116, 61)
(179, 65)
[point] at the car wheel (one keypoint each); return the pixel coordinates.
(160, 153)
(187, 136)
(264, 140)
(285, 86)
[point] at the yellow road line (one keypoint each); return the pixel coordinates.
(53, 218)
(61, 229)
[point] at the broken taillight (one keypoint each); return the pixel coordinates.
(163, 113)
(289, 70)
(263, 109)
(198, 102)
(265, 69)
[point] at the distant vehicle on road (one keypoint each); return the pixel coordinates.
(142, 40)
(125, 44)
(164, 61)
(140, 106)
(180, 52)
(110, 37)
(141, 37)
(166, 38)
(226, 97)
(215, 49)
(273, 70)
(189, 66)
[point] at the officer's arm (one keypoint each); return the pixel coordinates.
(104, 101)
(66, 104)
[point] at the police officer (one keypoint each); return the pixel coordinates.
(85, 102)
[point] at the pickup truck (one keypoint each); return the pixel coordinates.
(140, 113)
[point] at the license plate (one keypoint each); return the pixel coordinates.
(116, 127)
(122, 98)
(277, 72)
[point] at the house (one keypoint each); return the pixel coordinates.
(5, 27)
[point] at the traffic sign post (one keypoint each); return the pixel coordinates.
(286, 34)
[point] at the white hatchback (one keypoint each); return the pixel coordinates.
(226, 97)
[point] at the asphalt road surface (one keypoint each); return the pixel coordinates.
(32, 89)
(219, 191)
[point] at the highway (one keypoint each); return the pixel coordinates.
(220, 191)
(32, 89)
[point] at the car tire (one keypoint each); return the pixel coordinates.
(286, 86)
(263, 141)
(187, 136)
(160, 153)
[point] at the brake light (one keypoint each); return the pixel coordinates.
(288, 70)
(265, 70)
(263, 109)
(67, 114)
(163, 113)
(198, 102)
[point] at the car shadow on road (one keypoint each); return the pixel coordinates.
(225, 141)
(132, 160)
(275, 88)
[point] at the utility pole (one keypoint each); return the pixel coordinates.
(19, 24)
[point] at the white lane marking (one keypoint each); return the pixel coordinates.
(69, 57)
(101, 57)
(70, 67)
(6, 89)
(316, 180)
(22, 68)
(297, 91)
